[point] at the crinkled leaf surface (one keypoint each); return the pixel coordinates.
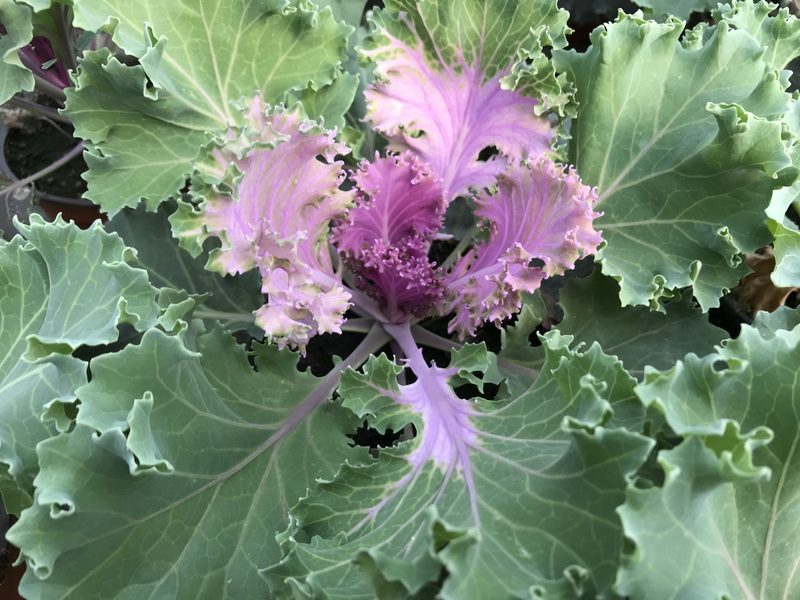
(477, 30)
(637, 336)
(527, 508)
(783, 318)
(197, 58)
(60, 288)
(179, 472)
(727, 521)
(349, 11)
(139, 145)
(330, 103)
(785, 231)
(230, 299)
(14, 77)
(778, 32)
(685, 147)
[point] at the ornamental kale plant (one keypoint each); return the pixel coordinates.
(405, 300)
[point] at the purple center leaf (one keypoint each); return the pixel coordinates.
(387, 236)
(447, 114)
(540, 223)
(449, 435)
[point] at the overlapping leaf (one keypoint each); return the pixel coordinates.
(16, 19)
(62, 288)
(528, 510)
(348, 11)
(685, 145)
(197, 58)
(778, 32)
(637, 336)
(179, 472)
(785, 232)
(231, 300)
(702, 535)
(477, 30)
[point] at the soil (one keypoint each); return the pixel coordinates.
(9, 576)
(38, 144)
(33, 144)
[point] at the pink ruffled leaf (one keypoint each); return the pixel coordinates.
(447, 433)
(387, 236)
(449, 110)
(276, 192)
(539, 223)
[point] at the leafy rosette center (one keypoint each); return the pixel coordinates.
(539, 223)
(387, 236)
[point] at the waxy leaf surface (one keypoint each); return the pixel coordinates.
(685, 145)
(180, 458)
(61, 288)
(14, 77)
(778, 33)
(231, 300)
(637, 336)
(520, 491)
(726, 523)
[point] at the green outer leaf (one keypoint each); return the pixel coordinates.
(740, 409)
(488, 29)
(229, 299)
(211, 53)
(778, 34)
(63, 288)
(783, 229)
(331, 103)
(198, 59)
(548, 476)
(137, 145)
(686, 546)
(637, 336)
(13, 498)
(179, 472)
(787, 252)
(685, 157)
(14, 77)
(348, 11)
(783, 318)
(90, 272)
